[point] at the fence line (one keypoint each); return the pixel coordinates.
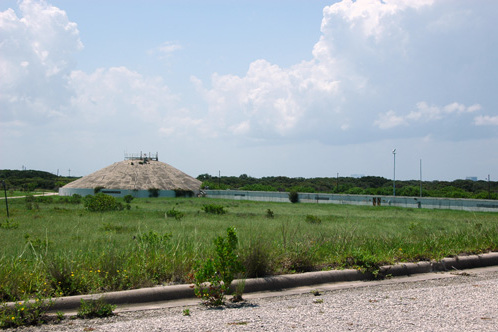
(373, 200)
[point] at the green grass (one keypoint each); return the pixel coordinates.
(17, 193)
(62, 249)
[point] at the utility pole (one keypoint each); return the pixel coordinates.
(6, 203)
(420, 177)
(394, 177)
(69, 170)
(489, 188)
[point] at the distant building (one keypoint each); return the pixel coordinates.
(357, 175)
(472, 178)
(135, 176)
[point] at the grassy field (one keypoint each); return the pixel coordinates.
(56, 248)
(17, 193)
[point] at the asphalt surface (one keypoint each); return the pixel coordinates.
(461, 300)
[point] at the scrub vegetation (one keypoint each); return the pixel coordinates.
(54, 246)
(365, 185)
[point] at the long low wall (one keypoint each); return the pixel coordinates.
(114, 192)
(400, 201)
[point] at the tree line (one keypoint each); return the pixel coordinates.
(31, 180)
(366, 185)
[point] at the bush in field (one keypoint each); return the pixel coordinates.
(183, 193)
(96, 190)
(214, 209)
(175, 214)
(311, 219)
(128, 199)
(294, 197)
(101, 203)
(75, 199)
(152, 240)
(212, 278)
(153, 192)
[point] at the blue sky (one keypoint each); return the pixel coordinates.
(294, 88)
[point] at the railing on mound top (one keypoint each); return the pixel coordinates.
(373, 200)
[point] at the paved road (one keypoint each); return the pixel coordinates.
(457, 301)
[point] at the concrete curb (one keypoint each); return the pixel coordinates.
(276, 283)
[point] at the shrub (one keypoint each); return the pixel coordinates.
(9, 225)
(311, 219)
(183, 193)
(213, 277)
(269, 214)
(75, 199)
(101, 203)
(96, 190)
(214, 209)
(24, 313)
(95, 308)
(152, 240)
(175, 214)
(294, 197)
(153, 192)
(128, 198)
(257, 259)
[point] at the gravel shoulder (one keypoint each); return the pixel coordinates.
(451, 301)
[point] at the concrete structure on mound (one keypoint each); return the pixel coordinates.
(140, 176)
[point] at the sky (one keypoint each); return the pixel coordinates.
(264, 88)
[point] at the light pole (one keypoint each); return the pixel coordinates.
(420, 177)
(394, 177)
(6, 203)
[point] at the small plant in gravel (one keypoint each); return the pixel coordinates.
(239, 290)
(95, 309)
(60, 316)
(25, 313)
(186, 312)
(213, 277)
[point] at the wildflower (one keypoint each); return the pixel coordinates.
(13, 318)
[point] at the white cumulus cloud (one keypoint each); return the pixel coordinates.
(486, 120)
(424, 113)
(325, 96)
(36, 53)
